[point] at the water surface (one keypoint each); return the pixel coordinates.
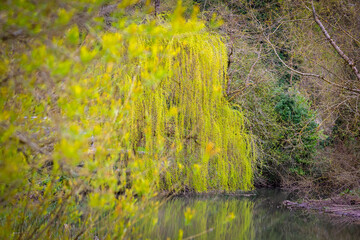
(253, 217)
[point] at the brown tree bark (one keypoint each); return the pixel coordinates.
(157, 6)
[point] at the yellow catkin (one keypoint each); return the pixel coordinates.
(182, 111)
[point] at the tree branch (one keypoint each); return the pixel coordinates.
(311, 74)
(26, 140)
(252, 67)
(349, 61)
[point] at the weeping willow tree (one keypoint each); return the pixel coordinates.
(184, 114)
(93, 125)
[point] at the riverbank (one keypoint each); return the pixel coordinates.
(345, 206)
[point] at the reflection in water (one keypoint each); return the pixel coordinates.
(256, 217)
(212, 218)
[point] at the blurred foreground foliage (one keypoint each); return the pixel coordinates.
(102, 107)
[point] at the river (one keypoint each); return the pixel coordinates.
(257, 216)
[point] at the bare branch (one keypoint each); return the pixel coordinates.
(311, 74)
(252, 67)
(236, 92)
(349, 61)
(26, 140)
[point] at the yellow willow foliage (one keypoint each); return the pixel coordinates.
(182, 119)
(92, 125)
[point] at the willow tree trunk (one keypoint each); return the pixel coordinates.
(157, 6)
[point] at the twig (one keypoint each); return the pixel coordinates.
(237, 92)
(252, 67)
(36, 234)
(25, 140)
(311, 74)
(199, 234)
(349, 61)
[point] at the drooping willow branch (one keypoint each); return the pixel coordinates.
(187, 114)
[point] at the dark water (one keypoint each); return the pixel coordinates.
(255, 217)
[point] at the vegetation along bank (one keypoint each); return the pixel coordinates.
(105, 104)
